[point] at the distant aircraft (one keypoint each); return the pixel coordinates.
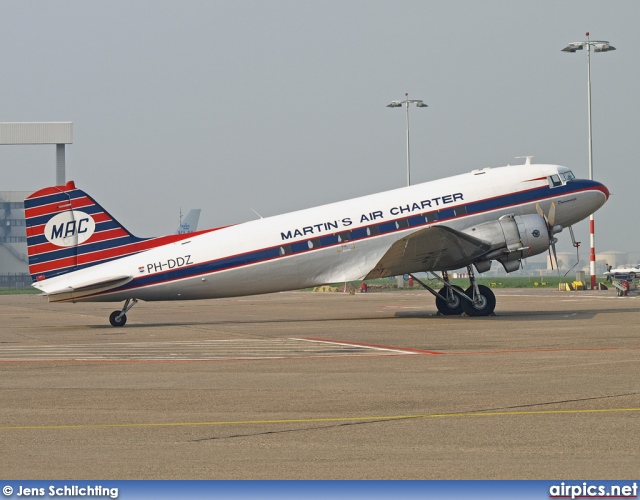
(624, 273)
(78, 252)
(190, 223)
(624, 279)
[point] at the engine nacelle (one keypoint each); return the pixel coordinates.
(512, 238)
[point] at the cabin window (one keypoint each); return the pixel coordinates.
(344, 236)
(285, 250)
(432, 216)
(402, 223)
(373, 231)
(460, 210)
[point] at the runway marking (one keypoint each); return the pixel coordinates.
(402, 350)
(321, 420)
(203, 350)
(236, 350)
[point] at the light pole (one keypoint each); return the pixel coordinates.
(598, 46)
(406, 102)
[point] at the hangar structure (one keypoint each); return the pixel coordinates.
(14, 262)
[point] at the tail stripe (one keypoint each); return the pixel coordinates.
(52, 267)
(50, 254)
(94, 236)
(61, 204)
(42, 219)
(40, 244)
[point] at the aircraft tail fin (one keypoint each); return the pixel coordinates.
(68, 230)
(190, 223)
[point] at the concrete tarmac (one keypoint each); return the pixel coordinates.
(306, 385)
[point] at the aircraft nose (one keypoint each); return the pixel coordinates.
(602, 188)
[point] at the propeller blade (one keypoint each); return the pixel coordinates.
(555, 255)
(552, 229)
(552, 215)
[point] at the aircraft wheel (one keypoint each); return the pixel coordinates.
(486, 304)
(452, 307)
(113, 319)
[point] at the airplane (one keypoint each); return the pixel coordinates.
(624, 279)
(624, 273)
(190, 223)
(79, 252)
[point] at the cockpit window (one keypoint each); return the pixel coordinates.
(561, 178)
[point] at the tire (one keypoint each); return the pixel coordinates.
(449, 309)
(113, 319)
(487, 305)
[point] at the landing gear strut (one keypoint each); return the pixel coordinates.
(483, 301)
(119, 318)
(448, 302)
(477, 300)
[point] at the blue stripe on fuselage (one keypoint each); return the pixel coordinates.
(298, 247)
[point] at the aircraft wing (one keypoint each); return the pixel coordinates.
(434, 248)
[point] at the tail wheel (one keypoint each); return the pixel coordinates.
(449, 303)
(484, 304)
(115, 321)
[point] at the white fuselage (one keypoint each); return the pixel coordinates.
(287, 252)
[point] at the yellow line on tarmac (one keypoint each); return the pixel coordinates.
(319, 420)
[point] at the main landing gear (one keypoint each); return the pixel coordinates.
(477, 300)
(119, 318)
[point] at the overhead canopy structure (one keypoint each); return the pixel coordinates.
(58, 133)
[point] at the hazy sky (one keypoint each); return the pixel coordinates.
(281, 105)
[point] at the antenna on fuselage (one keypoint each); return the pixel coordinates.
(527, 161)
(256, 213)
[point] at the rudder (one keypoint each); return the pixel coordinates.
(68, 230)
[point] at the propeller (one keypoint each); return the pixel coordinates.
(552, 228)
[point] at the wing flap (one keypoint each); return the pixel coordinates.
(434, 248)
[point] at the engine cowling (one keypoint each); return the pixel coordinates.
(512, 238)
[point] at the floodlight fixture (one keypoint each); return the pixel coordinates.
(406, 101)
(598, 46)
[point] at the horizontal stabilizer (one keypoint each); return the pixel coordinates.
(435, 248)
(86, 287)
